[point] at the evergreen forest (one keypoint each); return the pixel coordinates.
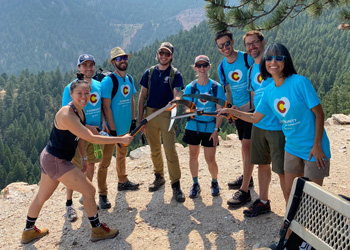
(29, 100)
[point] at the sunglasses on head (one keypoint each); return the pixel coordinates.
(277, 58)
(119, 58)
(199, 65)
(221, 45)
(164, 53)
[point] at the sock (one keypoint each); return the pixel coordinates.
(214, 180)
(262, 201)
(195, 180)
(69, 203)
(95, 222)
(30, 223)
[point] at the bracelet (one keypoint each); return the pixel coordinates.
(84, 158)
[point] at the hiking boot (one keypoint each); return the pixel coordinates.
(195, 190)
(257, 208)
(71, 214)
(81, 201)
(104, 202)
(215, 189)
(158, 182)
(178, 195)
(32, 234)
(236, 184)
(128, 185)
(103, 232)
(239, 199)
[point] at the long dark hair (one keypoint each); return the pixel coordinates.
(277, 49)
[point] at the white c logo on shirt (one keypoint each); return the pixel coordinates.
(282, 106)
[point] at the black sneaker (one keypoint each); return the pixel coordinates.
(195, 190)
(128, 185)
(158, 182)
(236, 184)
(178, 195)
(257, 208)
(104, 202)
(239, 199)
(215, 189)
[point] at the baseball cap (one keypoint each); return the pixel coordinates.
(117, 51)
(167, 46)
(201, 58)
(85, 57)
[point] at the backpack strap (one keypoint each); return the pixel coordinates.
(115, 85)
(172, 74)
(150, 73)
(245, 55)
(214, 88)
(223, 75)
(250, 85)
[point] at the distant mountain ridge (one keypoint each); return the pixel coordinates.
(42, 35)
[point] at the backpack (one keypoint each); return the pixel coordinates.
(172, 74)
(100, 74)
(194, 90)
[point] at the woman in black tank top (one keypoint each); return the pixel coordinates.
(69, 128)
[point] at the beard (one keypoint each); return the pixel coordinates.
(122, 66)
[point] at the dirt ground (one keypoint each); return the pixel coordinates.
(154, 220)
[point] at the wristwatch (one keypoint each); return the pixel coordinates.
(217, 129)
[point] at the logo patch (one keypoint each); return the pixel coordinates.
(235, 75)
(125, 90)
(282, 106)
(94, 98)
(203, 102)
(258, 79)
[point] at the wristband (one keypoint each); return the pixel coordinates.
(217, 129)
(84, 158)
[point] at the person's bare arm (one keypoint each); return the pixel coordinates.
(317, 150)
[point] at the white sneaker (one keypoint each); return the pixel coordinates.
(71, 214)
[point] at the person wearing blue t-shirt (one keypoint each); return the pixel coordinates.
(294, 101)
(267, 137)
(233, 76)
(203, 130)
(86, 66)
(119, 111)
(160, 84)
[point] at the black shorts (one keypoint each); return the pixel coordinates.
(192, 138)
(244, 129)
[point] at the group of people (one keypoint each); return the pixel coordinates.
(282, 125)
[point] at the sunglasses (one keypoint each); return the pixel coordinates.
(277, 58)
(221, 45)
(119, 58)
(204, 65)
(164, 53)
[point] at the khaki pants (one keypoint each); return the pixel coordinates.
(157, 129)
(102, 171)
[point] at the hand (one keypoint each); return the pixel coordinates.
(84, 166)
(132, 126)
(143, 129)
(215, 137)
(126, 139)
(320, 157)
(104, 127)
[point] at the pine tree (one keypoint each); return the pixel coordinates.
(266, 15)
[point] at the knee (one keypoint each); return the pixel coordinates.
(89, 192)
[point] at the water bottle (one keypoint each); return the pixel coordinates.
(98, 151)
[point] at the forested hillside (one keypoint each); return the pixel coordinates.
(29, 101)
(41, 35)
